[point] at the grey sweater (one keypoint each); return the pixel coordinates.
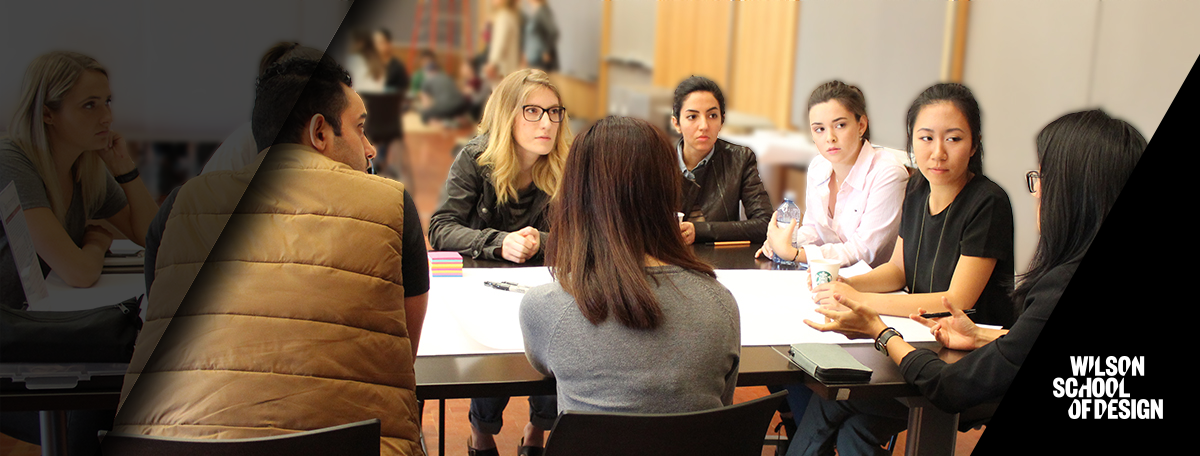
(690, 363)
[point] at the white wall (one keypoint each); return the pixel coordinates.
(178, 70)
(1029, 62)
(891, 51)
(631, 37)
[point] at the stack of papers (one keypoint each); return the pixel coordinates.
(445, 264)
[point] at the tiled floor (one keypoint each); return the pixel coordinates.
(428, 153)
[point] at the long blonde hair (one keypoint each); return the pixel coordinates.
(47, 79)
(499, 117)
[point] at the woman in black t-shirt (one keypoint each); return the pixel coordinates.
(956, 225)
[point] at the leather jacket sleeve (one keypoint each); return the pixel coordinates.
(750, 192)
(457, 225)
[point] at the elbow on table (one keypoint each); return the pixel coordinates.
(79, 277)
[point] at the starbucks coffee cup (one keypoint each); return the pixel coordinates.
(823, 271)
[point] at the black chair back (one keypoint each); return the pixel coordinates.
(354, 439)
(736, 430)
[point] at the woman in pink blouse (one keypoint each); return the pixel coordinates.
(854, 192)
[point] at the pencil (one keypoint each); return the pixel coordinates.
(730, 243)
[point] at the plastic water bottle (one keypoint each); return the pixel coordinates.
(787, 212)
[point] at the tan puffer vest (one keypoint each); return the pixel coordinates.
(297, 320)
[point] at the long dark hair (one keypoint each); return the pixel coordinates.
(963, 100)
(1085, 159)
(616, 206)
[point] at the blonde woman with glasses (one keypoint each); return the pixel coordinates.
(494, 207)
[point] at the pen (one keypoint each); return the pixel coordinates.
(945, 314)
(730, 243)
(507, 286)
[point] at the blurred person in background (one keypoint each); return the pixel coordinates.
(440, 99)
(504, 48)
(367, 68)
(540, 38)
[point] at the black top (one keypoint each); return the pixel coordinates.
(978, 223)
(397, 76)
(986, 373)
(414, 265)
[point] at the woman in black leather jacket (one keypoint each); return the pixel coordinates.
(718, 174)
(494, 206)
(494, 203)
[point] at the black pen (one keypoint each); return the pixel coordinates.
(507, 286)
(945, 314)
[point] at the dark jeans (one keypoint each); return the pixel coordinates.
(487, 413)
(797, 398)
(855, 427)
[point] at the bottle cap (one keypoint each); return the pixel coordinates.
(789, 195)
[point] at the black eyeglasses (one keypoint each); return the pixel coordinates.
(1032, 179)
(533, 113)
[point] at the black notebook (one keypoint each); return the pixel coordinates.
(829, 363)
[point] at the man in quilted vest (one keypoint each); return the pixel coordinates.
(308, 312)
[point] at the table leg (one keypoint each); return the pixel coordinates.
(53, 432)
(441, 427)
(931, 432)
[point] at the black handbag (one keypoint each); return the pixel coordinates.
(101, 335)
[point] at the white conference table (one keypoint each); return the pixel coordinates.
(471, 344)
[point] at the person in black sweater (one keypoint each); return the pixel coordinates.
(1084, 160)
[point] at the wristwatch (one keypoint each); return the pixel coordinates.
(883, 338)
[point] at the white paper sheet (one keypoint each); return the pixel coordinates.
(467, 317)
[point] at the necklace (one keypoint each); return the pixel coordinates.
(913, 286)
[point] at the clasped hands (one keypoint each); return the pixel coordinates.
(848, 317)
(521, 245)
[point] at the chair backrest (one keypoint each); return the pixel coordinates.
(736, 430)
(361, 438)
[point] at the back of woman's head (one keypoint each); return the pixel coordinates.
(47, 80)
(964, 101)
(500, 115)
(849, 96)
(616, 206)
(1084, 160)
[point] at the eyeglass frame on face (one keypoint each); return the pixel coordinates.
(542, 111)
(1032, 178)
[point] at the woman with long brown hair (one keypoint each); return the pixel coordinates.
(628, 289)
